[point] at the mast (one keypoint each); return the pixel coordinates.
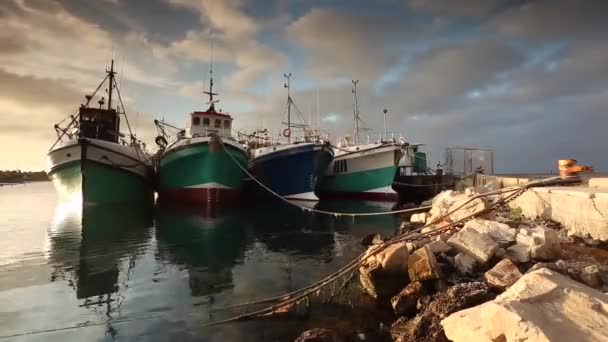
(287, 85)
(210, 92)
(318, 112)
(356, 112)
(385, 111)
(111, 80)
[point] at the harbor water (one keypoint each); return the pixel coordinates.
(127, 273)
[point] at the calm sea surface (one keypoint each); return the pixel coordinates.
(128, 273)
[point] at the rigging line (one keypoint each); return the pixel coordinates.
(304, 293)
(313, 209)
(394, 239)
(120, 321)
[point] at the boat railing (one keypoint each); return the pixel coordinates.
(385, 137)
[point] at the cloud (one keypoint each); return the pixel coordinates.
(340, 43)
(444, 75)
(225, 16)
(555, 19)
(46, 40)
(458, 8)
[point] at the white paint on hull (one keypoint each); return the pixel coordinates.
(127, 158)
(210, 185)
(384, 190)
(368, 157)
(198, 140)
(305, 196)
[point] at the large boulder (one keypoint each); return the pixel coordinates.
(463, 209)
(542, 242)
(379, 284)
(503, 274)
(442, 203)
(473, 243)
(499, 232)
(439, 246)
(422, 265)
(541, 306)
(394, 258)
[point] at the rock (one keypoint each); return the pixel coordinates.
(439, 246)
(426, 325)
(442, 203)
(592, 242)
(422, 265)
(499, 232)
(319, 335)
(542, 242)
(394, 258)
(500, 252)
(540, 306)
(411, 247)
(405, 301)
(503, 274)
(379, 284)
(464, 263)
(518, 253)
(372, 239)
(475, 206)
(418, 218)
(590, 275)
(426, 229)
(477, 245)
(559, 267)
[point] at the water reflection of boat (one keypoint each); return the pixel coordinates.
(291, 230)
(93, 247)
(361, 225)
(207, 246)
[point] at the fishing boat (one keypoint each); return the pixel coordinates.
(93, 161)
(363, 170)
(291, 168)
(204, 164)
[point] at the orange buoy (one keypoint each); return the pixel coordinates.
(567, 168)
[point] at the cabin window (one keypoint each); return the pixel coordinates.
(196, 121)
(340, 166)
(227, 124)
(206, 122)
(218, 123)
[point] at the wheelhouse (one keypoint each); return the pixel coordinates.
(210, 122)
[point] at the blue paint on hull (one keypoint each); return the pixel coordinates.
(291, 171)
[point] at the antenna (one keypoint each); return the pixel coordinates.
(111, 74)
(287, 85)
(318, 112)
(210, 92)
(385, 111)
(356, 112)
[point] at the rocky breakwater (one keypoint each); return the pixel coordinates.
(491, 279)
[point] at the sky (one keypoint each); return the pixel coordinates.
(528, 79)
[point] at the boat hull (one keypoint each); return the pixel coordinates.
(99, 172)
(201, 172)
(365, 175)
(292, 171)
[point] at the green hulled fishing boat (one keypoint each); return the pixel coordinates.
(205, 162)
(93, 161)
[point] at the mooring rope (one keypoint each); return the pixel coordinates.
(332, 213)
(294, 297)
